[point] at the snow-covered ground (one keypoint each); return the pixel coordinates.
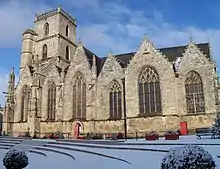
(142, 157)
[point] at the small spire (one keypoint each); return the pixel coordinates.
(210, 48)
(145, 37)
(12, 70)
(147, 40)
(59, 8)
(80, 41)
(110, 53)
(191, 39)
(93, 60)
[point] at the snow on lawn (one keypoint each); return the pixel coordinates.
(138, 159)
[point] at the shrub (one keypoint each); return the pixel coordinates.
(188, 157)
(153, 133)
(216, 125)
(15, 159)
(171, 133)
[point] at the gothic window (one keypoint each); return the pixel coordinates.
(51, 101)
(67, 53)
(67, 30)
(44, 53)
(46, 29)
(25, 99)
(195, 101)
(79, 97)
(149, 92)
(115, 101)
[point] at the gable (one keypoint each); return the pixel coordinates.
(111, 65)
(123, 59)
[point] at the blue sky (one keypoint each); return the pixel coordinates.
(119, 25)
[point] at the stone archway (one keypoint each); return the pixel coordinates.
(77, 129)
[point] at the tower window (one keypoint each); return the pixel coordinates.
(67, 30)
(44, 53)
(46, 29)
(67, 53)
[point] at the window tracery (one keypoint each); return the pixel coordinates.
(115, 101)
(149, 92)
(79, 97)
(194, 93)
(51, 101)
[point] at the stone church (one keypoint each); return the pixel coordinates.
(65, 87)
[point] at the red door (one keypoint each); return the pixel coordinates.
(76, 130)
(183, 128)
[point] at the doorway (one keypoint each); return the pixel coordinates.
(77, 129)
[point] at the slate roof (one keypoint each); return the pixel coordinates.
(99, 61)
(171, 53)
(30, 31)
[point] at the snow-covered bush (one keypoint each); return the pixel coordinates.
(15, 159)
(171, 133)
(216, 125)
(153, 133)
(188, 157)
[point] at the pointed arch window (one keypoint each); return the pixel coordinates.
(79, 97)
(25, 99)
(67, 53)
(67, 30)
(44, 51)
(195, 101)
(46, 29)
(149, 92)
(51, 101)
(115, 101)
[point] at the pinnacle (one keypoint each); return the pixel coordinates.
(110, 53)
(191, 39)
(12, 70)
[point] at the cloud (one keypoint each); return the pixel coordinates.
(16, 17)
(122, 29)
(104, 25)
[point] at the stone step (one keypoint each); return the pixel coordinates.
(22, 147)
(26, 145)
(34, 142)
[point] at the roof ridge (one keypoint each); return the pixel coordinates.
(182, 46)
